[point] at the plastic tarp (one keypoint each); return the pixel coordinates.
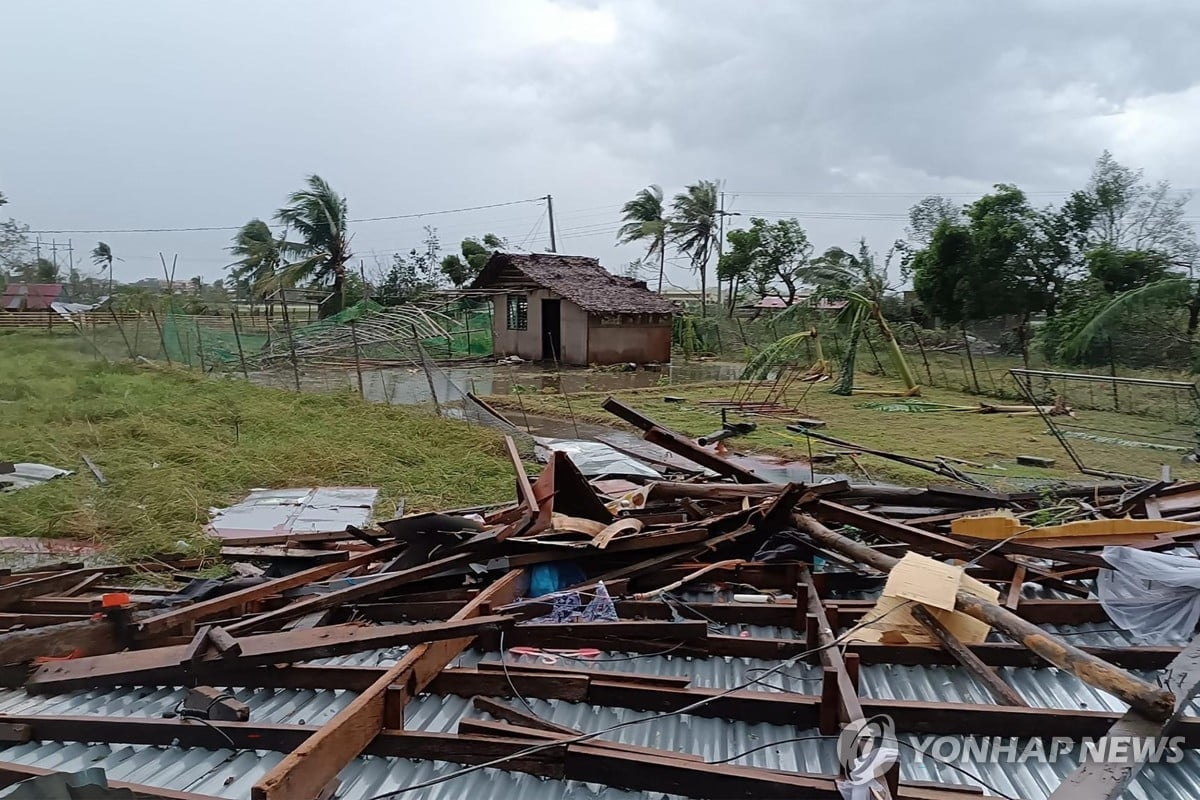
(595, 458)
(1153, 596)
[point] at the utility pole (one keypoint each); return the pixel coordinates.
(720, 245)
(550, 214)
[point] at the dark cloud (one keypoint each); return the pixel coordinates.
(145, 114)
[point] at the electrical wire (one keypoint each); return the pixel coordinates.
(584, 737)
(416, 215)
(940, 760)
(507, 677)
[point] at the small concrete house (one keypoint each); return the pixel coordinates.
(570, 309)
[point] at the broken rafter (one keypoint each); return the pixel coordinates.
(1152, 702)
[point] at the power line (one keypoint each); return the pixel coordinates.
(239, 227)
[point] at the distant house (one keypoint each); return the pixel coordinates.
(33, 296)
(570, 309)
(775, 303)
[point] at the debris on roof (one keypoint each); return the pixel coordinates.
(699, 636)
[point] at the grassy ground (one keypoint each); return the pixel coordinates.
(993, 440)
(173, 444)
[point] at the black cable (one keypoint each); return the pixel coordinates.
(940, 760)
(507, 677)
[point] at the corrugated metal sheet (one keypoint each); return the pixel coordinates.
(227, 773)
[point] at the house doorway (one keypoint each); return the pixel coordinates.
(551, 330)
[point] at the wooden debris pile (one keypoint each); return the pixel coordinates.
(787, 556)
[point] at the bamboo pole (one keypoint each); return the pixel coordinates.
(237, 337)
(1150, 701)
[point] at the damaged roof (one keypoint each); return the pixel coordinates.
(579, 279)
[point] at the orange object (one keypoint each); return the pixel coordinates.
(114, 600)
(76, 653)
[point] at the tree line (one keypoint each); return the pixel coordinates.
(1117, 255)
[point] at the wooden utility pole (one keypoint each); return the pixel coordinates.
(550, 215)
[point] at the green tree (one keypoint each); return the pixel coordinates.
(102, 257)
(254, 274)
(413, 275)
(645, 221)
(1119, 209)
(14, 243)
(475, 252)
(1003, 258)
(693, 229)
(319, 217)
(737, 262)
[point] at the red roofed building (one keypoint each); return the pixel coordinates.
(32, 296)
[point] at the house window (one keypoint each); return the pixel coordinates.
(518, 312)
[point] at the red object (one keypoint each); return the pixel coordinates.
(76, 653)
(114, 600)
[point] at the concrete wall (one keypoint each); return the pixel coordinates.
(528, 343)
(638, 338)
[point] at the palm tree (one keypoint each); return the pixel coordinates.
(319, 215)
(861, 283)
(693, 229)
(645, 220)
(102, 257)
(1173, 291)
(258, 259)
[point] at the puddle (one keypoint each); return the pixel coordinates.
(410, 386)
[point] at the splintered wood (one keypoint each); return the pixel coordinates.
(571, 573)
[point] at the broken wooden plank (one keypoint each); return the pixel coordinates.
(1153, 702)
(267, 648)
(1000, 691)
(182, 617)
(357, 591)
(309, 768)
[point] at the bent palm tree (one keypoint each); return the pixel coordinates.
(319, 216)
(855, 279)
(102, 257)
(644, 220)
(259, 258)
(693, 229)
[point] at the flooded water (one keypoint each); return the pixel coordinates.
(411, 386)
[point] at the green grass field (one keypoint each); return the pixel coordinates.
(173, 444)
(993, 440)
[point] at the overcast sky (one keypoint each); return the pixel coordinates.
(157, 114)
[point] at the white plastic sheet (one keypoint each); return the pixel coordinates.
(1154, 596)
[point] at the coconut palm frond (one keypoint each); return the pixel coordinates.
(1108, 318)
(786, 351)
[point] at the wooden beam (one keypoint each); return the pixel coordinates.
(1106, 779)
(23, 590)
(183, 617)
(1150, 700)
(837, 679)
(310, 767)
(1000, 691)
(267, 648)
(358, 591)
(86, 638)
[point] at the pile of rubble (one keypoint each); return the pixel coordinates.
(601, 570)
